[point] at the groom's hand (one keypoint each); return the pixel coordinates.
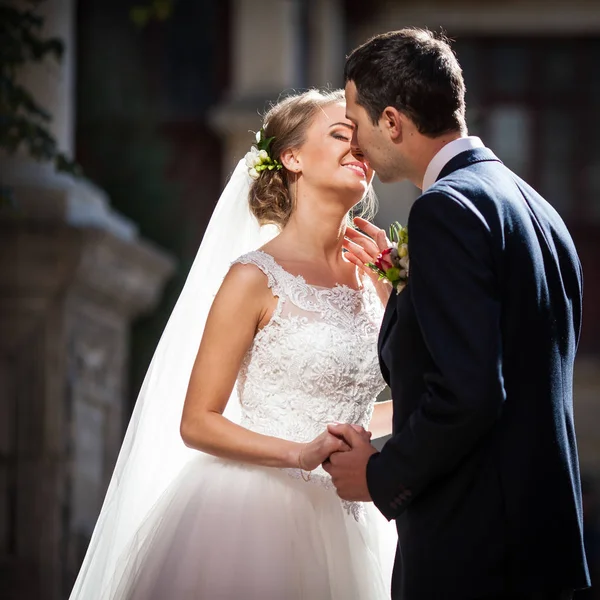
(348, 469)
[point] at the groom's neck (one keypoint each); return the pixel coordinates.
(427, 148)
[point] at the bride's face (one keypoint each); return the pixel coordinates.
(329, 161)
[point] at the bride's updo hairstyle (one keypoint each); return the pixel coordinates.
(271, 199)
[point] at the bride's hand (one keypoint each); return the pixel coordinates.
(314, 453)
(363, 249)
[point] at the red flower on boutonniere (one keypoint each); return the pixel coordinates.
(393, 263)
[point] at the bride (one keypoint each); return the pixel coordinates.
(241, 508)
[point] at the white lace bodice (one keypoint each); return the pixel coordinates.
(314, 363)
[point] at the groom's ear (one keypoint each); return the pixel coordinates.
(392, 122)
(291, 160)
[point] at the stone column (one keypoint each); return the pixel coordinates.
(69, 295)
(73, 276)
(278, 46)
(326, 43)
(264, 63)
(51, 83)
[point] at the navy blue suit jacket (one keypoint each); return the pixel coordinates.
(481, 473)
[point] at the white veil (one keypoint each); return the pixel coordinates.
(153, 454)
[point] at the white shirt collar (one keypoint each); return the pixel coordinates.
(445, 155)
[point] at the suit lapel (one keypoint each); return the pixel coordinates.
(389, 318)
(464, 159)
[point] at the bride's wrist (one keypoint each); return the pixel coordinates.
(295, 454)
(301, 464)
(301, 460)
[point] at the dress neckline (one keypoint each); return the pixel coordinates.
(337, 286)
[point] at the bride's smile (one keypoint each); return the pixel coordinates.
(360, 168)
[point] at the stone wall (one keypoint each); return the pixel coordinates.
(68, 296)
(74, 274)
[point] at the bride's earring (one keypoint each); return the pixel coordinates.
(296, 176)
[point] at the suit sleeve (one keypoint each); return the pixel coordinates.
(455, 295)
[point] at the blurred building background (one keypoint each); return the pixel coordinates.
(158, 115)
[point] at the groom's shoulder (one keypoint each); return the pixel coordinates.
(459, 193)
(457, 188)
(483, 176)
(446, 204)
(482, 185)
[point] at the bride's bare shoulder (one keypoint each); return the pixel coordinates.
(247, 277)
(246, 290)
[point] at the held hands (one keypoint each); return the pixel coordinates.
(363, 249)
(318, 451)
(348, 469)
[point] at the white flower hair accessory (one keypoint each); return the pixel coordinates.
(259, 158)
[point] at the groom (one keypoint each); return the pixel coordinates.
(481, 474)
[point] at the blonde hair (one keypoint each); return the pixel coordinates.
(270, 196)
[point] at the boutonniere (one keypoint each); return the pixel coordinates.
(392, 264)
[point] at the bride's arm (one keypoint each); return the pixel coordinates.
(243, 303)
(381, 421)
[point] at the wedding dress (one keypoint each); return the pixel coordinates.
(224, 530)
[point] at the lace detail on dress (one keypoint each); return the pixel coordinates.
(314, 363)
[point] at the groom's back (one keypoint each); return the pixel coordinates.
(539, 287)
(537, 267)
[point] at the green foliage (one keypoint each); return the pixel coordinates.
(398, 234)
(23, 122)
(262, 142)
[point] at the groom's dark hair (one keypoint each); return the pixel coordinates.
(416, 72)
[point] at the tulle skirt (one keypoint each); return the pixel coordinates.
(226, 531)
